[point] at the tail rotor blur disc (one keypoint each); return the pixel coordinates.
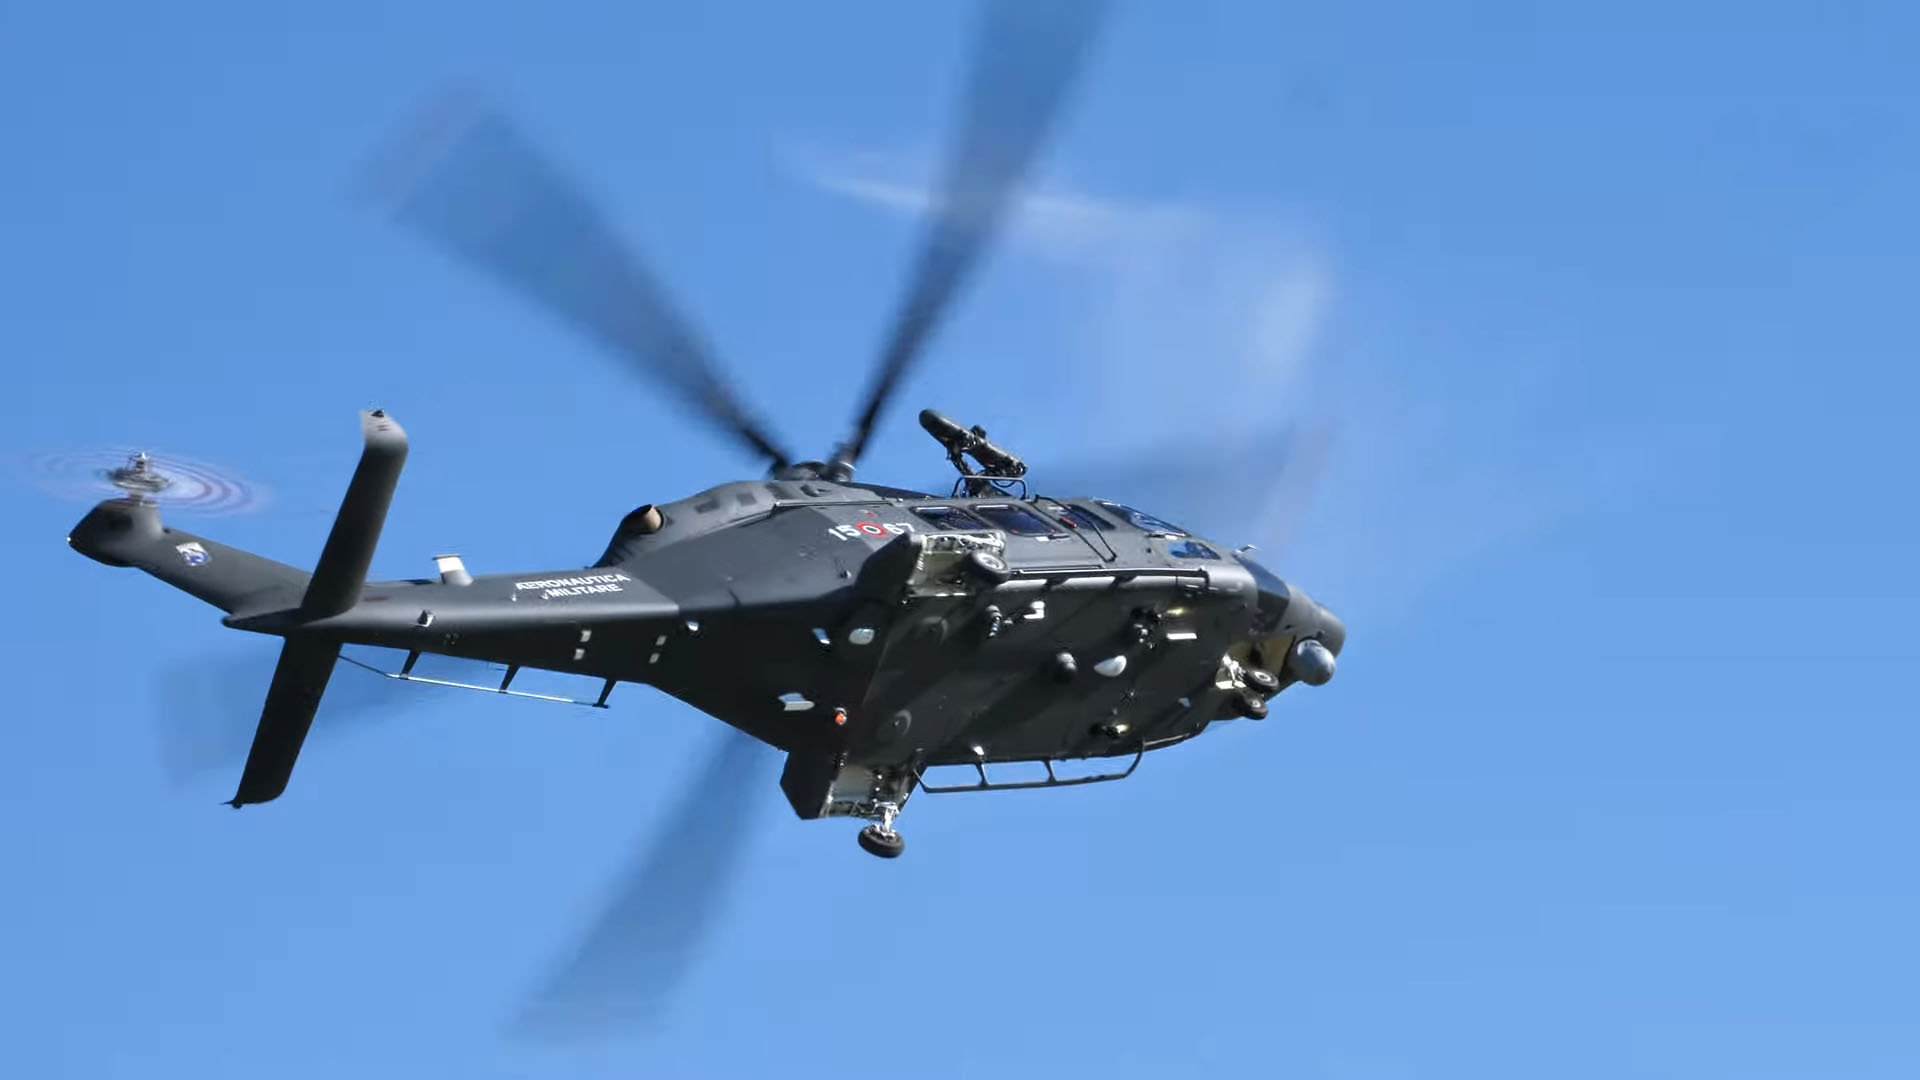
(175, 483)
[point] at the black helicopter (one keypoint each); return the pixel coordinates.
(869, 632)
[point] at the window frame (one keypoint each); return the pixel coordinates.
(975, 523)
(1183, 547)
(1095, 522)
(1133, 517)
(1052, 528)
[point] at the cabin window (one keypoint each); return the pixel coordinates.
(1016, 519)
(1191, 549)
(1143, 521)
(1082, 519)
(951, 518)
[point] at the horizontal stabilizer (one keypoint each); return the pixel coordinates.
(299, 681)
(342, 570)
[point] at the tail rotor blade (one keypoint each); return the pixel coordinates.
(1026, 59)
(472, 184)
(647, 937)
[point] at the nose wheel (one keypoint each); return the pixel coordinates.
(880, 839)
(882, 842)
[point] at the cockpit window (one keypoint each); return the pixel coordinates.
(1191, 549)
(1016, 519)
(1081, 519)
(1143, 521)
(951, 518)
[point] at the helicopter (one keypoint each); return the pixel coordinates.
(869, 633)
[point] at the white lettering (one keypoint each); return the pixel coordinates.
(583, 585)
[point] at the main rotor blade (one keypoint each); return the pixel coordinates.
(1026, 56)
(625, 969)
(1234, 488)
(471, 183)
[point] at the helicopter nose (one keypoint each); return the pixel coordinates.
(1333, 631)
(1319, 635)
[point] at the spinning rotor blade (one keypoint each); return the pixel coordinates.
(1251, 488)
(468, 180)
(624, 970)
(1026, 55)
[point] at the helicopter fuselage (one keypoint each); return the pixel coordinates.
(845, 623)
(872, 633)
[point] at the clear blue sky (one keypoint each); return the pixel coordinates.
(1611, 315)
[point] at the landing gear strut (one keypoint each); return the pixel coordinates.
(876, 794)
(879, 837)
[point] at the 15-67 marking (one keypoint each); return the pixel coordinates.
(869, 530)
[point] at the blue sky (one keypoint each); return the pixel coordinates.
(1608, 315)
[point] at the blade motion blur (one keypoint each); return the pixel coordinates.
(852, 641)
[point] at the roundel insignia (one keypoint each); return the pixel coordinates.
(872, 528)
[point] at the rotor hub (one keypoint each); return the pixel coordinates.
(138, 477)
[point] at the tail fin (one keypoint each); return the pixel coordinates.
(293, 698)
(342, 570)
(128, 532)
(306, 663)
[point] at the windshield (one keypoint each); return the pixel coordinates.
(1265, 578)
(1143, 521)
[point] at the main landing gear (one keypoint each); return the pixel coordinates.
(876, 794)
(879, 837)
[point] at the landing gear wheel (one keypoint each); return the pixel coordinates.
(1260, 681)
(1249, 705)
(885, 843)
(985, 567)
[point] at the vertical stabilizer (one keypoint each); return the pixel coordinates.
(342, 570)
(299, 681)
(306, 663)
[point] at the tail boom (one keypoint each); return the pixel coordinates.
(129, 532)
